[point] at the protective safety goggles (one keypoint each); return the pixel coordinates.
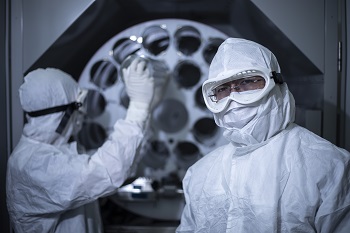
(67, 108)
(245, 87)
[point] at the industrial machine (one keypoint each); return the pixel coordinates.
(181, 129)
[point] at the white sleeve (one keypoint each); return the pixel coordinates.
(43, 179)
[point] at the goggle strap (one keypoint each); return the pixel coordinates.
(60, 108)
(69, 111)
(277, 77)
(69, 108)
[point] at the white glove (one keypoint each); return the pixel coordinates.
(140, 89)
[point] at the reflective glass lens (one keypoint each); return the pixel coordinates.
(239, 85)
(243, 87)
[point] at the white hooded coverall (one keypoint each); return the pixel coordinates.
(273, 176)
(50, 187)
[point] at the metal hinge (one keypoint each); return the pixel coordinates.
(339, 56)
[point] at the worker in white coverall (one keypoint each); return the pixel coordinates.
(273, 175)
(52, 188)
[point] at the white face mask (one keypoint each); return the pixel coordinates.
(237, 115)
(257, 122)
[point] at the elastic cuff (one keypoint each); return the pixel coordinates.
(137, 112)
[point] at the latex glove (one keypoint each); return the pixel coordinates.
(140, 89)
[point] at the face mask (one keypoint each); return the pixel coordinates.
(237, 116)
(272, 114)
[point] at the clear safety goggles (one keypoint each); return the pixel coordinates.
(245, 87)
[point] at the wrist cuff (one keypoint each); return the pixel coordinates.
(137, 112)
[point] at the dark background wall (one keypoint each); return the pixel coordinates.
(4, 222)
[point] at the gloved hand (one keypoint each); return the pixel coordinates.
(140, 89)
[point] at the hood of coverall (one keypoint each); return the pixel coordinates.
(249, 124)
(42, 89)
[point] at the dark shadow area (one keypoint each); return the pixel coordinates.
(4, 126)
(106, 18)
(118, 219)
